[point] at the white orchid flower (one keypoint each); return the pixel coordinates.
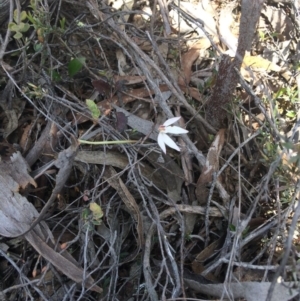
(167, 128)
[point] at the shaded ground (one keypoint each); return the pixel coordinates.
(135, 223)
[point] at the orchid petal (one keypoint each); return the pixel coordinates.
(175, 130)
(168, 141)
(161, 141)
(171, 121)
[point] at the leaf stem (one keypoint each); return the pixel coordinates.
(106, 142)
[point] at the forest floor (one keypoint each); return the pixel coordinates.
(137, 205)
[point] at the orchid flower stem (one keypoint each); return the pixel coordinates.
(106, 142)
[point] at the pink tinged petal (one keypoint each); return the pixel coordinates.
(175, 130)
(168, 141)
(161, 128)
(160, 141)
(171, 121)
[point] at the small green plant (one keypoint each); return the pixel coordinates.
(188, 237)
(75, 65)
(291, 114)
(287, 93)
(40, 21)
(284, 102)
(18, 25)
(97, 213)
(232, 228)
(93, 108)
(55, 76)
(62, 24)
(35, 91)
(86, 219)
(92, 216)
(286, 196)
(262, 35)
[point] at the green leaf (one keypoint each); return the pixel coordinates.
(96, 222)
(62, 23)
(31, 19)
(55, 76)
(288, 145)
(97, 213)
(23, 27)
(96, 210)
(232, 228)
(13, 26)
(23, 15)
(291, 114)
(16, 15)
(27, 26)
(80, 24)
(18, 35)
(93, 108)
(85, 214)
(37, 47)
(75, 65)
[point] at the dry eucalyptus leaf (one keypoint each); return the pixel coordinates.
(63, 262)
(102, 86)
(201, 15)
(143, 126)
(17, 168)
(121, 123)
(280, 22)
(179, 24)
(251, 291)
(198, 264)
(258, 62)
(17, 215)
(187, 61)
(118, 160)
